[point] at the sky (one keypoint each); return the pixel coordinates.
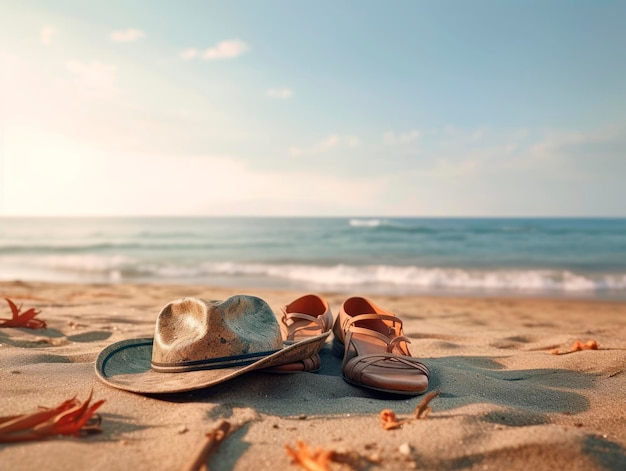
(325, 108)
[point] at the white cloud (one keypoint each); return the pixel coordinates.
(94, 76)
(127, 35)
(331, 142)
(46, 34)
(282, 93)
(189, 54)
(228, 49)
(392, 138)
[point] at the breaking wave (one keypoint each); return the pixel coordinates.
(341, 276)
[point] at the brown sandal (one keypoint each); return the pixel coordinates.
(374, 350)
(306, 316)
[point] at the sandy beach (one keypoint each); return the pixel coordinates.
(506, 402)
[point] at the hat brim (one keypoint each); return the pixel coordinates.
(127, 365)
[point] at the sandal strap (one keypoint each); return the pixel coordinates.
(391, 340)
(395, 341)
(355, 367)
(312, 363)
(301, 322)
(365, 317)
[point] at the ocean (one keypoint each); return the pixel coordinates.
(435, 256)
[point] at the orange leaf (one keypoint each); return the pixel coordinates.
(389, 421)
(317, 460)
(577, 346)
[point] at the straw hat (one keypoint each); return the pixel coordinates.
(200, 343)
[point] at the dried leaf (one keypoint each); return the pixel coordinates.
(71, 417)
(577, 346)
(22, 319)
(422, 410)
(317, 460)
(209, 445)
(389, 421)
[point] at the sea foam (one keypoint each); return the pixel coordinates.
(122, 268)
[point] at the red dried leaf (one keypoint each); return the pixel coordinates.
(71, 417)
(22, 319)
(26, 421)
(72, 421)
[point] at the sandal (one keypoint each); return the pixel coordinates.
(374, 350)
(306, 316)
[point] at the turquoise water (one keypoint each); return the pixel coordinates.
(568, 257)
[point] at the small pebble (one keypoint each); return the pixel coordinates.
(405, 449)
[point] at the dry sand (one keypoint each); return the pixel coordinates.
(505, 403)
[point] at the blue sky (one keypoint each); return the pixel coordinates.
(465, 108)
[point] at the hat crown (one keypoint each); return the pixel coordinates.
(192, 333)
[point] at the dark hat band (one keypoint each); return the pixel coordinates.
(211, 363)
